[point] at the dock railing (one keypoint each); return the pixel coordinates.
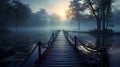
(92, 54)
(38, 46)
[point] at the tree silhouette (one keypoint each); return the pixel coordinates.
(22, 13)
(4, 6)
(101, 9)
(13, 11)
(39, 18)
(42, 16)
(76, 7)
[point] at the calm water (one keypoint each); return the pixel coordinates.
(111, 42)
(16, 47)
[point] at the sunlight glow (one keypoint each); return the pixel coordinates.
(59, 7)
(62, 14)
(51, 6)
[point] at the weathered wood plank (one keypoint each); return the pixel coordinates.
(61, 54)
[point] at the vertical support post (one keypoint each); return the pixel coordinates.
(39, 49)
(75, 42)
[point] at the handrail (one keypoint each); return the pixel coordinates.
(91, 49)
(39, 45)
(100, 54)
(70, 38)
(75, 41)
(29, 55)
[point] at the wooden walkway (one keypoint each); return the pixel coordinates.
(61, 54)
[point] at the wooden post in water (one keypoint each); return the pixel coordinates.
(39, 49)
(75, 42)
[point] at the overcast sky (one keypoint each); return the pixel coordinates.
(53, 6)
(49, 5)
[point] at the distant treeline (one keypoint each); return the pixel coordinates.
(101, 10)
(14, 13)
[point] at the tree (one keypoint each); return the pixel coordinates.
(11, 10)
(22, 13)
(39, 18)
(101, 9)
(4, 6)
(42, 16)
(76, 9)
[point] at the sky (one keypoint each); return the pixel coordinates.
(54, 6)
(117, 4)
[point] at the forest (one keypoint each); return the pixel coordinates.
(15, 14)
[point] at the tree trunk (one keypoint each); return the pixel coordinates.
(104, 22)
(103, 16)
(98, 25)
(78, 23)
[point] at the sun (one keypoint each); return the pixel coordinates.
(62, 14)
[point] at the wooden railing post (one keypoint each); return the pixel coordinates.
(39, 49)
(75, 42)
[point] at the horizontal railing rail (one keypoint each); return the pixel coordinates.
(39, 45)
(76, 42)
(99, 55)
(89, 48)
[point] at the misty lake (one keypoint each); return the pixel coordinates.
(16, 47)
(111, 42)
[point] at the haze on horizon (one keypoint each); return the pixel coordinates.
(52, 6)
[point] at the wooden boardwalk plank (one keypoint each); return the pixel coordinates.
(61, 54)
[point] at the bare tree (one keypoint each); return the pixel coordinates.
(102, 11)
(76, 7)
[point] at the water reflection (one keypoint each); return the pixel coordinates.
(15, 47)
(108, 46)
(103, 43)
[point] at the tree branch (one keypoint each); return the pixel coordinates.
(92, 9)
